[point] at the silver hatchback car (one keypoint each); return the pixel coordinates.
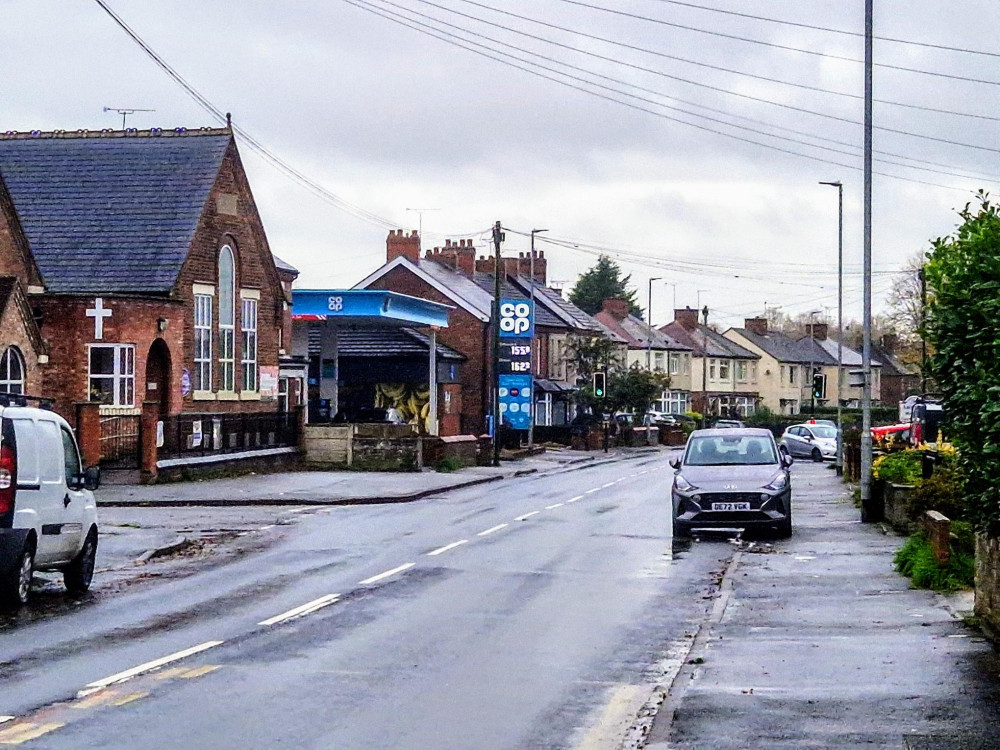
(732, 478)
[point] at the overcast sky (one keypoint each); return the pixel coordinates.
(388, 118)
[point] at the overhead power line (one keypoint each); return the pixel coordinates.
(505, 58)
(252, 142)
(827, 29)
(698, 63)
(775, 45)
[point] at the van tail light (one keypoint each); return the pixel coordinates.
(8, 479)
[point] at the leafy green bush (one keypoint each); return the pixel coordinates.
(915, 560)
(944, 492)
(903, 467)
(448, 465)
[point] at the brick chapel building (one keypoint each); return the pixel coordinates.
(134, 267)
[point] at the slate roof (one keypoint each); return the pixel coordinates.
(786, 349)
(382, 343)
(851, 358)
(638, 334)
(891, 364)
(111, 212)
(704, 339)
(543, 317)
(553, 301)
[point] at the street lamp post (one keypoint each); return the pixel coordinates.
(649, 320)
(840, 321)
(531, 282)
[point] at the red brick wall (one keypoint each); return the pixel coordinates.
(13, 333)
(68, 331)
(14, 255)
(255, 269)
(466, 334)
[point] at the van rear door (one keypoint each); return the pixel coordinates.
(39, 500)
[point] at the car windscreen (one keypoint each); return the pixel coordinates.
(823, 431)
(730, 451)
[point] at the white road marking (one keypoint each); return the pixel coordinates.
(147, 667)
(609, 484)
(528, 515)
(642, 472)
(265, 528)
(300, 510)
(380, 576)
(4, 719)
(490, 531)
(574, 499)
(447, 547)
(553, 506)
(305, 609)
(590, 492)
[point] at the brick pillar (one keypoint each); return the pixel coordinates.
(938, 529)
(88, 432)
(147, 441)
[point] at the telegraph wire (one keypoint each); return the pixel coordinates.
(658, 53)
(775, 45)
(828, 29)
(443, 36)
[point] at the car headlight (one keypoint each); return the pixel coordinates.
(683, 485)
(778, 483)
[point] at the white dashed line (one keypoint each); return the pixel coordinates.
(643, 472)
(305, 609)
(609, 484)
(147, 667)
(494, 529)
(590, 492)
(574, 499)
(387, 573)
(447, 547)
(265, 528)
(553, 506)
(528, 515)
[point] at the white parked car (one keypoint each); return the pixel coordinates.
(815, 441)
(48, 516)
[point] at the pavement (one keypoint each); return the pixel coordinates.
(815, 642)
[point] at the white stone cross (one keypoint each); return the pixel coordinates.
(98, 313)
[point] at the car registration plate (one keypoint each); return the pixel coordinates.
(730, 506)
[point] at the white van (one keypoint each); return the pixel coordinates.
(48, 516)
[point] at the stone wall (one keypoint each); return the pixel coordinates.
(987, 607)
(896, 505)
(367, 447)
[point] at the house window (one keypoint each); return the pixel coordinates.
(249, 359)
(724, 369)
(711, 369)
(658, 361)
(674, 361)
(12, 371)
(741, 372)
(753, 372)
(202, 342)
(227, 320)
(793, 374)
(112, 374)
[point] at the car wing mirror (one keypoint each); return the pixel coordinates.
(675, 463)
(92, 478)
(787, 460)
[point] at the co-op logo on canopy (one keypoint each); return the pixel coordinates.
(515, 319)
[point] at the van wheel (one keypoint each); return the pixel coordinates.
(16, 585)
(79, 573)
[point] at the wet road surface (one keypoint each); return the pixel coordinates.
(539, 612)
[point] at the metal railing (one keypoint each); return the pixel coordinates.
(212, 434)
(120, 441)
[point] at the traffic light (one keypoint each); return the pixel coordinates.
(819, 385)
(600, 384)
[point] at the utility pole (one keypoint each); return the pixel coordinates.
(923, 324)
(840, 322)
(866, 349)
(534, 358)
(649, 319)
(497, 239)
(704, 369)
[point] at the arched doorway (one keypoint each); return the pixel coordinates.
(158, 376)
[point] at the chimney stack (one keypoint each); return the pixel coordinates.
(616, 308)
(818, 331)
(687, 317)
(890, 342)
(407, 245)
(458, 256)
(756, 325)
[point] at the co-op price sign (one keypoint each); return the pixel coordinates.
(517, 320)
